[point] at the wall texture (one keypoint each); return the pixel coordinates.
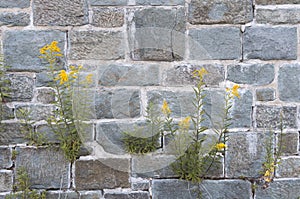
(141, 51)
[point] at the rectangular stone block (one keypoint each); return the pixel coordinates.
(278, 16)
(280, 188)
(5, 158)
(47, 168)
(6, 112)
(139, 184)
(14, 19)
(21, 48)
(265, 94)
(15, 4)
(108, 2)
(6, 180)
(220, 11)
(106, 45)
(255, 74)
(35, 112)
(268, 43)
(102, 174)
(127, 195)
(289, 142)
(144, 26)
(289, 167)
(20, 87)
(129, 75)
(159, 2)
(67, 195)
(90, 194)
(108, 17)
(272, 2)
(45, 95)
(10, 133)
(215, 43)
(60, 12)
(43, 79)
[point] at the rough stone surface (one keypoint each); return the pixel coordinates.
(245, 154)
(5, 158)
(6, 112)
(20, 87)
(129, 195)
(66, 195)
(272, 2)
(159, 2)
(289, 167)
(121, 103)
(220, 11)
(289, 142)
(270, 116)
(139, 184)
(278, 16)
(280, 188)
(56, 12)
(208, 43)
(15, 4)
(106, 45)
(255, 74)
(14, 19)
(265, 94)
(43, 175)
(108, 17)
(268, 43)
(25, 45)
(144, 26)
(183, 74)
(90, 194)
(10, 134)
(6, 178)
(288, 81)
(35, 112)
(43, 79)
(102, 174)
(108, 2)
(45, 95)
(128, 75)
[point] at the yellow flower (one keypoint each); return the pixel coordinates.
(44, 49)
(165, 108)
(88, 78)
(267, 173)
(268, 179)
(51, 49)
(63, 77)
(233, 92)
(220, 146)
(185, 123)
(200, 73)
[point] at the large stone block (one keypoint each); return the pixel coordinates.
(289, 167)
(183, 74)
(108, 2)
(56, 13)
(278, 16)
(280, 189)
(289, 142)
(245, 154)
(90, 194)
(20, 87)
(127, 195)
(256, 74)
(15, 4)
(106, 45)
(129, 75)
(208, 43)
(271, 116)
(120, 103)
(159, 2)
(102, 174)
(265, 94)
(288, 81)
(220, 11)
(108, 17)
(43, 79)
(6, 180)
(10, 133)
(144, 26)
(35, 112)
(45, 95)
(14, 19)
(268, 43)
(6, 112)
(47, 168)
(21, 48)
(5, 157)
(272, 2)
(66, 195)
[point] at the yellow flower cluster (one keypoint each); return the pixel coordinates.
(268, 175)
(200, 73)
(51, 48)
(220, 146)
(185, 123)
(64, 76)
(165, 108)
(233, 92)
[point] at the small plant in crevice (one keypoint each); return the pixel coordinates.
(22, 188)
(4, 86)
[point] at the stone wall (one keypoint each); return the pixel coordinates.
(141, 51)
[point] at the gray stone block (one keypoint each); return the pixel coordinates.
(220, 11)
(6, 180)
(45, 95)
(43, 175)
(108, 2)
(208, 43)
(278, 16)
(108, 17)
(20, 87)
(245, 154)
(289, 143)
(265, 94)
(21, 48)
(5, 158)
(6, 112)
(288, 82)
(65, 195)
(14, 19)
(183, 75)
(102, 174)
(255, 74)
(56, 13)
(15, 4)
(144, 26)
(10, 134)
(268, 43)
(120, 103)
(35, 112)
(139, 184)
(90, 194)
(106, 45)
(268, 2)
(280, 189)
(129, 75)
(43, 79)
(289, 167)
(127, 195)
(159, 2)
(270, 117)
